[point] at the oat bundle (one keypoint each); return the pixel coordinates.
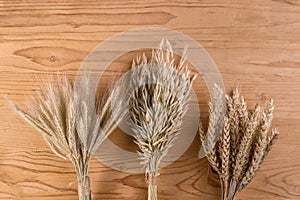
(156, 107)
(244, 143)
(69, 124)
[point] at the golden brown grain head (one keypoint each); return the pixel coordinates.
(52, 114)
(224, 149)
(243, 145)
(66, 117)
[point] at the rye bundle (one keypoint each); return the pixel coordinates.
(244, 143)
(156, 107)
(72, 123)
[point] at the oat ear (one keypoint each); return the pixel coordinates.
(156, 111)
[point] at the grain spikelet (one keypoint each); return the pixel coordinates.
(70, 124)
(243, 145)
(157, 107)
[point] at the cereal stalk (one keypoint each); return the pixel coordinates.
(157, 107)
(243, 145)
(72, 123)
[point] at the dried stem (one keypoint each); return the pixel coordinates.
(152, 185)
(84, 188)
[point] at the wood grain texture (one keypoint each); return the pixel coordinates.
(256, 45)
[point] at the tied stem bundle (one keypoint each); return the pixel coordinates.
(72, 123)
(156, 107)
(243, 145)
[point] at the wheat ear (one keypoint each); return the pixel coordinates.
(243, 145)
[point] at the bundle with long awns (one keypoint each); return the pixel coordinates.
(157, 105)
(244, 142)
(72, 122)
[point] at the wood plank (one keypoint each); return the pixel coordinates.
(256, 46)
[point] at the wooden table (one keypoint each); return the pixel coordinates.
(255, 44)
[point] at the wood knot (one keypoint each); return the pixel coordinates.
(52, 59)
